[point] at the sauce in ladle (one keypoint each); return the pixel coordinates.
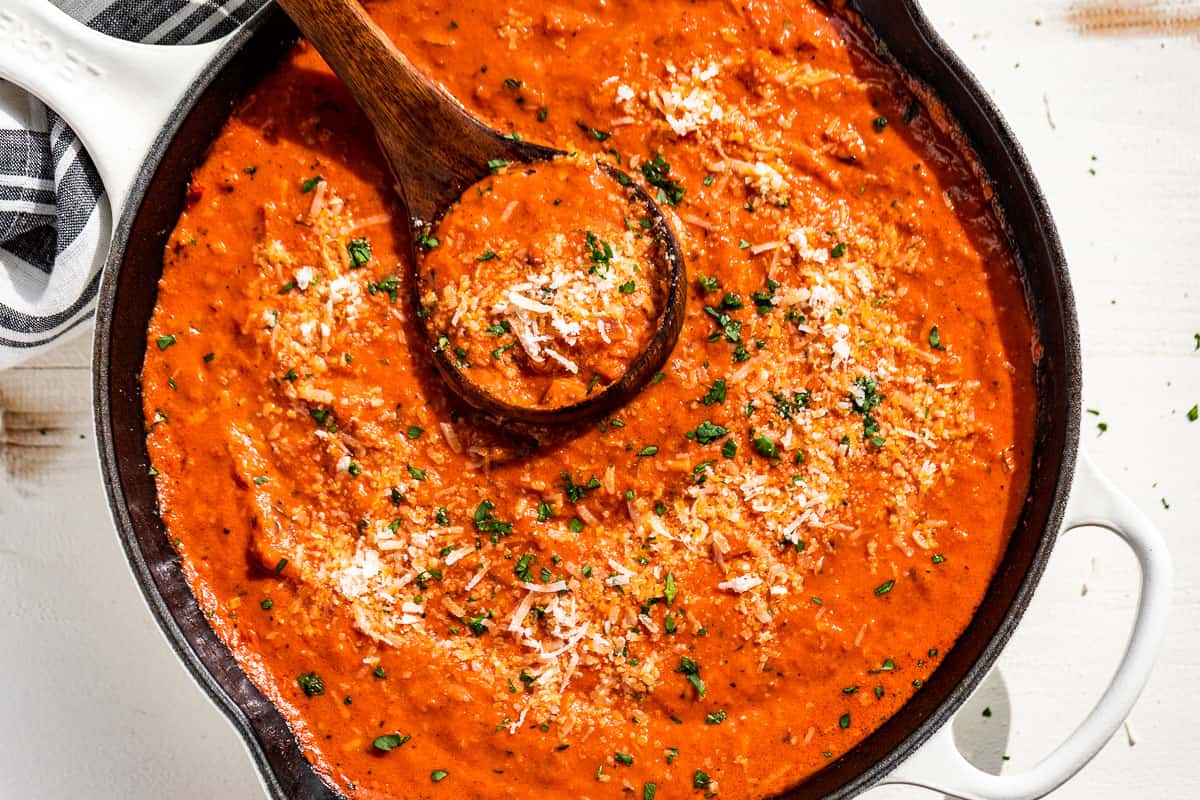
(541, 286)
(437, 150)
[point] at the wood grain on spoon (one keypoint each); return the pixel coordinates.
(438, 150)
(435, 147)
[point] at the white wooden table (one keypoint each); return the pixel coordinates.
(94, 704)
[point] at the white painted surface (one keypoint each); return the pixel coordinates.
(94, 704)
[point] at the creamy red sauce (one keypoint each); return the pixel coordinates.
(725, 586)
(544, 283)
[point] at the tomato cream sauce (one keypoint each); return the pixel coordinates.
(544, 283)
(721, 588)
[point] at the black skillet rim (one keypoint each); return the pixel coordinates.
(924, 56)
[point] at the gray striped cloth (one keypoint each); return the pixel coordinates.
(49, 190)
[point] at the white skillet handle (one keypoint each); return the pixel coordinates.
(1094, 501)
(115, 95)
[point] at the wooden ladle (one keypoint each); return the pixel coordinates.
(437, 151)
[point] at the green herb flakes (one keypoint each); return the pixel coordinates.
(389, 741)
(670, 590)
(360, 252)
(311, 683)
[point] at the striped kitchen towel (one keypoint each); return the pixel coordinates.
(50, 233)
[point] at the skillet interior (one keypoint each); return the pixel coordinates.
(129, 293)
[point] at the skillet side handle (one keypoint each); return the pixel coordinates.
(115, 95)
(939, 765)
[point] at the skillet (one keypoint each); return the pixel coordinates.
(147, 115)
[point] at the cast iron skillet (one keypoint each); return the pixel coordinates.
(128, 294)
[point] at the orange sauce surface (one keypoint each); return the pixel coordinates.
(543, 283)
(726, 585)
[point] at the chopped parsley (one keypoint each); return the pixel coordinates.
(623, 758)
(166, 341)
(700, 780)
(766, 446)
(476, 624)
(715, 717)
(598, 135)
(496, 164)
(656, 172)
(838, 250)
(727, 326)
(312, 684)
(880, 123)
(628, 287)
(789, 408)
(578, 491)
(417, 474)
(360, 252)
(707, 432)
(524, 564)
(691, 670)
(648, 450)
(438, 775)
(884, 588)
(732, 301)
(426, 239)
(935, 339)
(670, 589)
(600, 252)
(311, 183)
(715, 394)
(414, 432)
(864, 399)
(389, 286)
(486, 522)
(486, 255)
(764, 301)
(389, 741)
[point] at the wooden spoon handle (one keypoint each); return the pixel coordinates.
(435, 147)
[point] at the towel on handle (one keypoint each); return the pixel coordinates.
(51, 236)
